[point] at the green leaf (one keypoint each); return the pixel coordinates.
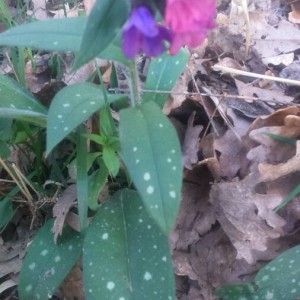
(5, 129)
(236, 292)
(53, 35)
(162, 75)
(82, 179)
(46, 264)
(111, 160)
(126, 256)
(106, 17)
(277, 280)
(57, 35)
(97, 182)
(107, 125)
(151, 152)
(6, 211)
(280, 279)
(70, 107)
(4, 150)
(16, 102)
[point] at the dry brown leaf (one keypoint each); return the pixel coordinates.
(294, 15)
(72, 287)
(246, 216)
(190, 145)
(7, 285)
(61, 209)
(232, 155)
(196, 215)
(268, 39)
(272, 172)
(275, 95)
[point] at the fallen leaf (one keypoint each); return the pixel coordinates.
(61, 209)
(232, 155)
(190, 147)
(267, 95)
(272, 172)
(246, 216)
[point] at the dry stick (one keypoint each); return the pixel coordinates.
(254, 75)
(21, 186)
(203, 103)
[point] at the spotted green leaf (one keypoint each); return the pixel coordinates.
(70, 107)
(126, 256)
(18, 103)
(163, 74)
(151, 152)
(46, 264)
(57, 35)
(54, 35)
(103, 24)
(280, 279)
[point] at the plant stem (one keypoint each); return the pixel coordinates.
(134, 84)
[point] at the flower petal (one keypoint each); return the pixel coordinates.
(131, 42)
(143, 20)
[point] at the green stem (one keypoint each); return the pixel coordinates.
(134, 84)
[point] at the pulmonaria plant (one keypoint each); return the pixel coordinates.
(186, 22)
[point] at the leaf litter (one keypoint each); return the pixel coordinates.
(236, 171)
(227, 228)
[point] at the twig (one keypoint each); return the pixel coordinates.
(254, 75)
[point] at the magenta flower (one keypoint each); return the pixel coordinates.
(142, 34)
(189, 20)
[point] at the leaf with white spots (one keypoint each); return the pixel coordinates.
(102, 26)
(47, 264)
(162, 75)
(280, 279)
(17, 103)
(151, 152)
(70, 107)
(53, 35)
(126, 255)
(57, 35)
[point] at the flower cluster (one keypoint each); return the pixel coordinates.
(185, 23)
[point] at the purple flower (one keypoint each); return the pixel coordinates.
(142, 34)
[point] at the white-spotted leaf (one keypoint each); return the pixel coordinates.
(151, 152)
(16, 102)
(47, 264)
(126, 255)
(280, 279)
(102, 27)
(54, 35)
(162, 75)
(57, 35)
(70, 107)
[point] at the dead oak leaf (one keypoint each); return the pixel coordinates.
(61, 209)
(190, 145)
(272, 172)
(247, 217)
